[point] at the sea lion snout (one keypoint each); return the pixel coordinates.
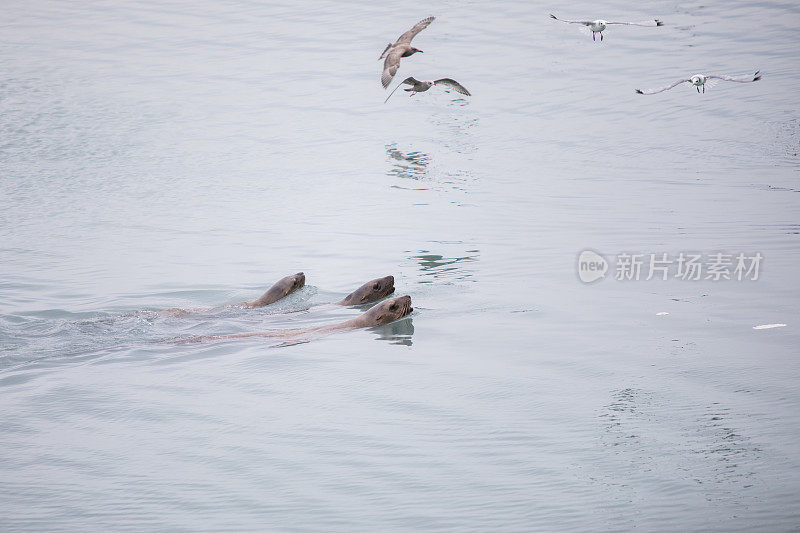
(389, 280)
(405, 305)
(387, 286)
(299, 279)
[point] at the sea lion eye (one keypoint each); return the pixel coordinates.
(393, 307)
(376, 286)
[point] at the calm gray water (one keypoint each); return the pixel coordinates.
(188, 154)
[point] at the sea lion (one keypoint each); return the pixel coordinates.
(369, 292)
(281, 289)
(380, 313)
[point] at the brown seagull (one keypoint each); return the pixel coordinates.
(402, 48)
(422, 86)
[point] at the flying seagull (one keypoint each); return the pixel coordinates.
(700, 80)
(402, 48)
(422, 86)
(597, 26)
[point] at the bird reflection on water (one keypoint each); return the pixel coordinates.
(412, 165)
(439, 266)
(415, 166)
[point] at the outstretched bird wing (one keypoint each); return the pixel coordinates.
(584, 22)
(649, 23)
(418, 27)
(662, 89)
(453, 84)
(390, 67)
(410, 81)
(747, 79)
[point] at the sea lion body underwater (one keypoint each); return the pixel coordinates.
(369, 292)
(381, 313)
(281, 289)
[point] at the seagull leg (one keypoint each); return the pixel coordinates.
(698, 88)
(704, 88)
(593, 34)
(601, 36)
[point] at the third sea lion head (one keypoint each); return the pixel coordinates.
(388, 311)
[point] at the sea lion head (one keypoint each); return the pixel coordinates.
(370, 291)
(282, 288)
(388, 311)
(292, 283)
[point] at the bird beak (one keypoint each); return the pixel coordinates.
(420, 51)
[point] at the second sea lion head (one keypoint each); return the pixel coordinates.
(370, 291)
(388, 311)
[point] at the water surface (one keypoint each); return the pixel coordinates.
(189, 154)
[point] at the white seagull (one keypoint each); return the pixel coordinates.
(422, 86)
(700, 80)
(597, 26)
